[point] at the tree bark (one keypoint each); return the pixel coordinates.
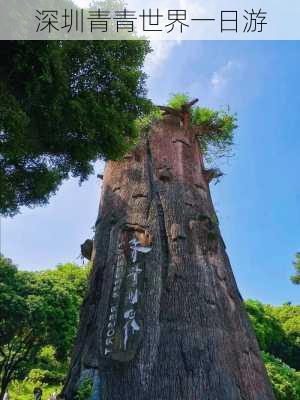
(190, 337)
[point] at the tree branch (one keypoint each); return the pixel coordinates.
(187, 106)
(170, 110)
(210, 174)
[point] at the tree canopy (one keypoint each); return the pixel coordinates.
(64, 104)
(285, 380)
(277, 330)
(296, 278)
(36, 310)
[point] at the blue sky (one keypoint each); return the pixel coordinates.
(258, 199)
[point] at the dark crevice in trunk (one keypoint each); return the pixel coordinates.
(160, 214)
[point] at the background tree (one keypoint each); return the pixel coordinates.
(277, 330)
(296, 278)
(64, 104)
(36, 310)
(285, 380)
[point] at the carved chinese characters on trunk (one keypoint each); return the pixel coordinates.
(123, 329)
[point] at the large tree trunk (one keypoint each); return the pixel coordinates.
(186, 335)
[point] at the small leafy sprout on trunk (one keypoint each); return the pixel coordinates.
(143, 124)
(85, 390)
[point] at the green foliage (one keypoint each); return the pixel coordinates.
(63, 105)
(296, 278)
(23, 390)
(178, 100)
(215, 128)
(85, 390)
(144, 123)
(277, 330)
(38, 309)
(48, 369)
(43, 307)
(221, 122)
(289, 318)
(285, 380)
(267, 329)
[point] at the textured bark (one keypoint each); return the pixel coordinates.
(195, 342)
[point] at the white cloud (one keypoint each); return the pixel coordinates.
(193, 7)
(224, 75)
(82, 3)
(162, 50)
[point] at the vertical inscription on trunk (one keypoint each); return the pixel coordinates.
(123, 329)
